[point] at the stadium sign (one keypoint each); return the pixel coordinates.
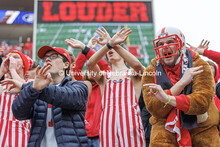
(94, 11)
(57, 20)
(16, 17)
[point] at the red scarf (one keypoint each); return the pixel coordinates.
(173, 121)
(173, 125)
(173, 72)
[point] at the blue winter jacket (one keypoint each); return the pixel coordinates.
(68, 104)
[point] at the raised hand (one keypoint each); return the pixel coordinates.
(120, 37)
(42, 79)
(5, 66)
(104, 36)
(202, 46)
(12, 63)
(92, 42)
(76, 44)
(192, 47)
(14, 86)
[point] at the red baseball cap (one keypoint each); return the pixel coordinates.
(44, 49)
(24, 59)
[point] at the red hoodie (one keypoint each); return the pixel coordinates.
(214, 56)
(94, 105)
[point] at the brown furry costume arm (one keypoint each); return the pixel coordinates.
(154, 106)
(202, 89)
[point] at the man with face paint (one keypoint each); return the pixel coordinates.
(179, 95)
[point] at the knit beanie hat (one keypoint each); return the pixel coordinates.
(24, 59)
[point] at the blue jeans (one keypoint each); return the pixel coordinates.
(93, 141)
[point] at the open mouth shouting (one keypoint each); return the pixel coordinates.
(110, 53)
(167, 54)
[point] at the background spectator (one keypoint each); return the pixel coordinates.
(27, 49)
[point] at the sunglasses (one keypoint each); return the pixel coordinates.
(51, 57)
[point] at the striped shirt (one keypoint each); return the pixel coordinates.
(121, 123)
(13, 133)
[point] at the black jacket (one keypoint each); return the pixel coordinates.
(68, 104)
(218, 90)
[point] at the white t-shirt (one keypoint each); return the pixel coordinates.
(49, 139)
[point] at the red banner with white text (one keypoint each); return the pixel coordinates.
(94, 11)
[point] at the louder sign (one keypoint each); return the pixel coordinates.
(94, 11)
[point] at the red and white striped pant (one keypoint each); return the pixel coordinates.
(13, 133)
(121, 123)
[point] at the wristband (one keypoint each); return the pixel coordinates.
(109, 46)
(86, 50)
(168, 101)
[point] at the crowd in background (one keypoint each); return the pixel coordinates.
(25, 47)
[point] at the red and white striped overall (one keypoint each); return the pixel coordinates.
(13, 133)
(121, 123)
